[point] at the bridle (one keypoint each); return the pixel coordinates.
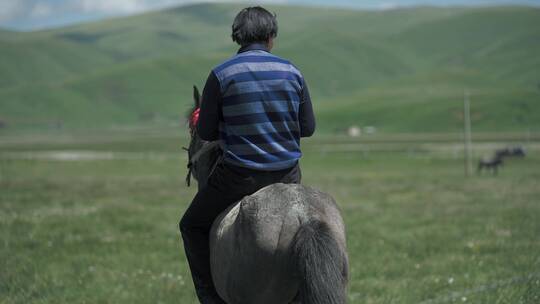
(206, 146)
(193, 119)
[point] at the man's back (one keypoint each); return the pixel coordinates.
(260, 98)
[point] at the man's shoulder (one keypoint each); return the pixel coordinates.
(250, 57)
(259, 58)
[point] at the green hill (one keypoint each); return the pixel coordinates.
(400, 70)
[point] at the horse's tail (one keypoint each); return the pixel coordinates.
(321, 265)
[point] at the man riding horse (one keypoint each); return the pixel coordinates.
(258, 106)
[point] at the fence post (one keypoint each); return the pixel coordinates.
(467, 133)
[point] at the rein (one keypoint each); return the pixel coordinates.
(207, 146)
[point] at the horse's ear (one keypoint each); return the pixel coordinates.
(196, 96)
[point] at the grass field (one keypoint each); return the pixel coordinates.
(94, 220)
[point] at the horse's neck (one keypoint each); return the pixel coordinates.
(205, 161)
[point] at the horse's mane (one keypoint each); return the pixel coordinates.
(192, 115)
(206, 153)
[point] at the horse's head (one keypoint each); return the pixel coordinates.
(202, 154)
(196, 142)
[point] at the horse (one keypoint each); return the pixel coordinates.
(518, 151)
(490, 163)
(283, 244)
(493, 162)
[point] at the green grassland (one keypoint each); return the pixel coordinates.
(103, 229)
(401, 70)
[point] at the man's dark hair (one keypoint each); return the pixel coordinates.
(254, 24)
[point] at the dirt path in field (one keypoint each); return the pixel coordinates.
(86, 155)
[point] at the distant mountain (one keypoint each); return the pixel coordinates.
(400, 70)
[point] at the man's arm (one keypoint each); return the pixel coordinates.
(305, 113)
(208, 125)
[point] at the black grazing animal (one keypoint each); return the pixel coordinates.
(492, 163)
(516, 151)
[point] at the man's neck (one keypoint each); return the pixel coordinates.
(254, 47)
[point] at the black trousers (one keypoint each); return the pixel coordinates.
(227, 185)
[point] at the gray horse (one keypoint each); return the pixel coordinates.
(283, 244)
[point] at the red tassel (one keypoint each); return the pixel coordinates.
(194, 118)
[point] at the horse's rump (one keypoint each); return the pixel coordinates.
(252, 258)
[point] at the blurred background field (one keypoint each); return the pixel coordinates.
(92, 171)
(100, 226)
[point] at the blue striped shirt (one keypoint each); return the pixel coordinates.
(263, 110)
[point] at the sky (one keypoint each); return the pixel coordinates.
(27, 15)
